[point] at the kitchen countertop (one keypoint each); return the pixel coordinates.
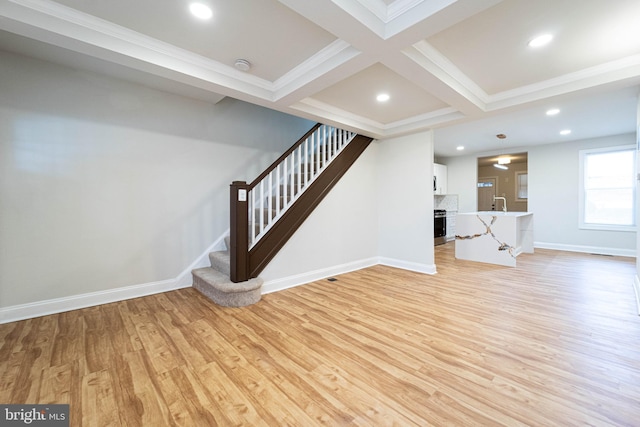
(494, 237)
(497, 213)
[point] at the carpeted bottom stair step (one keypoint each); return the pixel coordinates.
(220, 289)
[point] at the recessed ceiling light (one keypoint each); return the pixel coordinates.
(565, 132)
(459, 148)
(541, 40)
(383, 97)
(201, 10)
(553, 111)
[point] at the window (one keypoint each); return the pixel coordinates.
(522, 186)
(607, 188)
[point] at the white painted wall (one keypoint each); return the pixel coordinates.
(553, 195)
(381, 211)
(405, 185)
(462, 177)
(106, 184)
(553, 186)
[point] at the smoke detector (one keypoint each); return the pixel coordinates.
(242, 64)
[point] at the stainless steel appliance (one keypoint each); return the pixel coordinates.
(439, 226)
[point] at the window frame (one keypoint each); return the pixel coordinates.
(517, 195)
(582, 190)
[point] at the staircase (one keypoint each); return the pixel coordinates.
(215, 282)
(266, 212)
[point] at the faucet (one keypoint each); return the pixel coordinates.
(504, 203)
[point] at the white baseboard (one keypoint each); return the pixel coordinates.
(312, 276)
(301, 279)
(75, 302)
(586, 249)
(636, 288)
(412, 266)
(184, 280)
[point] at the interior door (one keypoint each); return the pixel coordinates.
(486, 191)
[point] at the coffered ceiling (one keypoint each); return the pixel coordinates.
(462, 67)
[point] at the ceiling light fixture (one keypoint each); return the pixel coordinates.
(460, 148)
(201, 10)
(502, 160)
(541, 40)
(242, 64)
(565, 132)
(553, 111)
(383, 97)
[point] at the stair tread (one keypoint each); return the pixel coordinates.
(221, 255)
(223, 282)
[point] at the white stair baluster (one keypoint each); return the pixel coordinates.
(307, 166)
(250, 206)
(261, 209)
(284, 184)
(278, 180)
(270, 199)
(288, 180)
(299, 169)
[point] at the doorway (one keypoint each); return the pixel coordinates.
(486, 191)
(504, 175)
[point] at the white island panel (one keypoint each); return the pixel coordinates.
(494, 237)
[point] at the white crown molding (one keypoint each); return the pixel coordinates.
(423, 121)
(325, 60)
(64, 21)
(371, 14)
(400, 7)
(429, 58)
(628, 67)
(374, 128)
(387, 21)
(402, 14)
(333, 114)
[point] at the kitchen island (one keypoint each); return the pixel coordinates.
(494, 237)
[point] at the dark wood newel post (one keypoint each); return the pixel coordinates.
(239, 225)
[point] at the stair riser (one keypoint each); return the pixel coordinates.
(220, 262)
(226, 299)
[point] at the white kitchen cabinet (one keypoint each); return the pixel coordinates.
(451, 225)
(439, 179)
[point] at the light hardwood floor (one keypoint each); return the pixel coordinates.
(553, 342)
